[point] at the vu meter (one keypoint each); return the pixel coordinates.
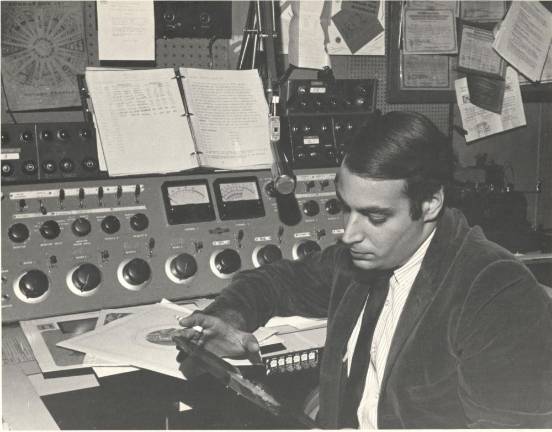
(187, 201)
(238, 198)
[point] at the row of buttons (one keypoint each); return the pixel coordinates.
(46, 135)
(66, 165)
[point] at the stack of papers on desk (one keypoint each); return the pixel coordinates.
(143, 338)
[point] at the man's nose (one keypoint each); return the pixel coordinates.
(352, 233)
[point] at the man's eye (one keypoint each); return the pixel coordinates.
(377, 220)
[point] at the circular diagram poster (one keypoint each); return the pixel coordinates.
(43, 49)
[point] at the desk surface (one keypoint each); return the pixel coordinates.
(22, 408)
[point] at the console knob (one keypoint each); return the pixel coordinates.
(111, 224)
(46, 135)
(27, 136)
(50, 229)
(311, 208)
(228, 261)
(7, 169)
(29, 167)
(66, 165)
(49, 166)
(18, 233)
(136, 271)
(84, 133)
(81, 227)
(86, 277)
(333, 206)
(269, 254)
(307, 247)
(63, 134)
(33, 284)
(183, 266)
(139, 222)
(90, 164)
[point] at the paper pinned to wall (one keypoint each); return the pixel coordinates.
(524, 38)
(479, 122)
(126, 30)
(306, 47)
(356, 28)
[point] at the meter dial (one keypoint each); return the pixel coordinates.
(242, 191)
(188, 194)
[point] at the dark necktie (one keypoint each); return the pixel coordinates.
(361, 357)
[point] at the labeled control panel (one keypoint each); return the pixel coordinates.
(90, 244)
(38, 152)
(323, 116)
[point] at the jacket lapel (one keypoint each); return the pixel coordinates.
(435, 265)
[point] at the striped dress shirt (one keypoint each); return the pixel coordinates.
(399, 287)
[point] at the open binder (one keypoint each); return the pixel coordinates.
(165, 120)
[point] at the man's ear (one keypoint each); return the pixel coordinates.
(432, 207)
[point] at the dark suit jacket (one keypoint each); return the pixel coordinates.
(473, 346)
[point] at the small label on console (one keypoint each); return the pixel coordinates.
(9, 156)
(302, 234)
(221, 242)
(263, 238)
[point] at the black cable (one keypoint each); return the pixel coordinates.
(8, 110)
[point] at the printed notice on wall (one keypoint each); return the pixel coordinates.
(479, 122)
(524, 38)
(43, 50)
(126, 30)
(429, 32)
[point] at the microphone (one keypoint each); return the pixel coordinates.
(282, 175)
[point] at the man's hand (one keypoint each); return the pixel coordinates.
(219, 337)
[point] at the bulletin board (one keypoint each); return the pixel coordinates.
(398, 91)
(193, 52)
(187, 52)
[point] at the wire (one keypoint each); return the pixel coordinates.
(210, 48)
(8, 110)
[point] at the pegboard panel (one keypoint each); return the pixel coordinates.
(356, 67)
(187, 52)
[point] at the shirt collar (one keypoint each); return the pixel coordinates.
(414, 261)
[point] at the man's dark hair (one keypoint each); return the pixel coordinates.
(403, 145)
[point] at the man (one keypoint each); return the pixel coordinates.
(458, 332)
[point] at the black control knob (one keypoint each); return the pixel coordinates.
(86, 277)
(81, 227)
(333, 206)
(307, 247)
(136, 271)
(139, 222)
(18, 233)
(90, 164)
(66, 165)
(46, 135)
(311, 208)
(269, 254)
(49, 166)
(228, 261)
(110, 224)
(5, 137)
(27, 136)
(7, 169)
(34, 284)
(62, 134)
(50, 229)
(183, 266)
(29, 167)
(84, 133)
